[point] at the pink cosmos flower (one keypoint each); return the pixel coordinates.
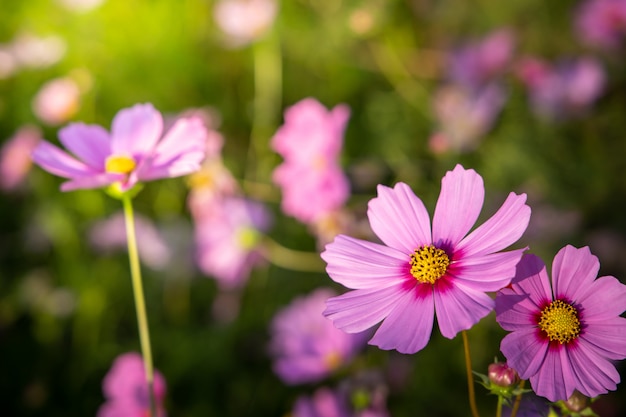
(15, 162)
(602, 23)
(419, 273)
(245, 20)
(305, 345)
(134, 150)
(57, 101)
(228, 240)
(564, 89)
(310, 177)
(326, 402)
(565, 331)
(126, 391)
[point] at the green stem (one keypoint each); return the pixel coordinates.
(470, 378)
(499, 409)
(518, 399)
(140, 305)
(292, 259)
(267, 102)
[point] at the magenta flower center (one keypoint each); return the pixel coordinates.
(428, 264)
(119, 164)
(559, 321)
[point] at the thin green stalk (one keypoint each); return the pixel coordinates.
(140, 305)
(470, 378)
(518, 399)
(499, 409)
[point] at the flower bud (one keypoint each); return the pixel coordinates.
(502, 375)
(577, 402)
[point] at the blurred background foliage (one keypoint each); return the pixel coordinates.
(66, 308)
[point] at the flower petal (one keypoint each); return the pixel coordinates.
(409, 326)
(515, 311)
(606, 337)
(136, 130)
(58, 162)
(554, 380)
(459, 204)
(524, 351)
(594, 374)
(398, 217)
(459, 307)
(97, 180)
(504, 228)
(358, 310)
(488, 272)
(180, 152)
(359, 264)
(602, 299)
(90, 143)
(573, 272)
(532, 278)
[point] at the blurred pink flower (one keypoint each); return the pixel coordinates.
(566, 332)
(565, 89)
(80, 6)
(602, 23)
(228, 239)
(464, 117)
(133, 152)
(15, 162)
(422, 272)
(57, 101)
(310, 141)
(31, 51)
(244, 21)
(110, 234)
(305, 345)
(126, 391)
(478, 63)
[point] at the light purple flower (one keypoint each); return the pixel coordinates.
(567, 88)
(15, 162)
(419, 273)
(478, 63)
(57, 101)
(602, 23)
(340, 402)
(305, 345)
(228, 239)
(126, 390)
(110, 234)
(133, 152)
(566, 331)
(310, 177)
(464, 116)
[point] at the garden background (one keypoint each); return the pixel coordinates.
(66, 306)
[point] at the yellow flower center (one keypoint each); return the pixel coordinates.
(248, 237)
(332, 360)
(119, 164)
(428, 264)
(559, 321)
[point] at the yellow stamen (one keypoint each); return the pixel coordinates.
(119, 164)
(559, 321)
(428, 264)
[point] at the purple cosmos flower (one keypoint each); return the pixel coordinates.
(126, 390)
(419, 273)
(310, 177)
(228, 239)
(133, 152)
(567, 88)
(565, 332)
(602, 23)
(245, 21)
(478, 63)
(306, 345)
